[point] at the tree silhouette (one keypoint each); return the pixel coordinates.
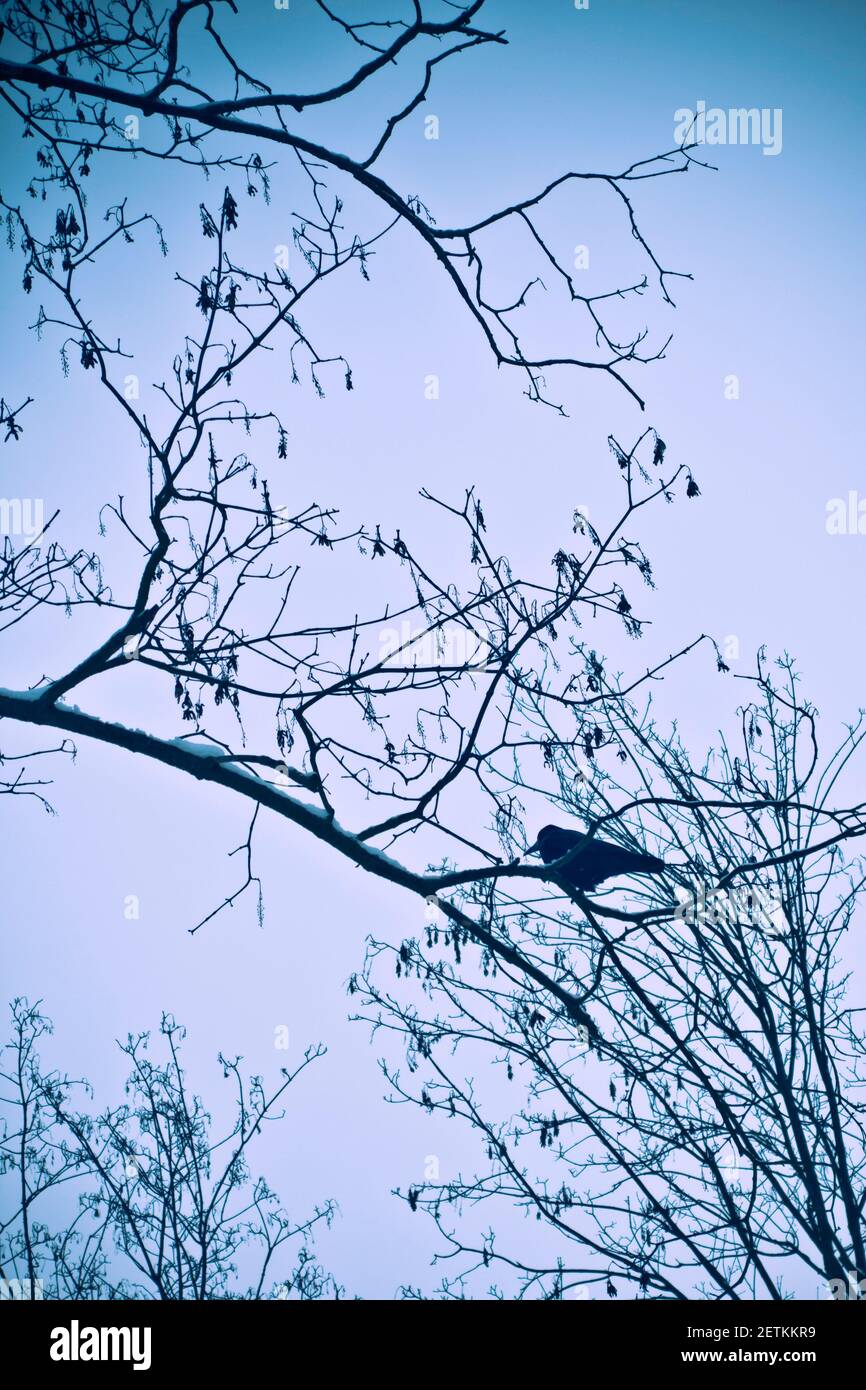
(701, 1129)
(414, 726)
(203, 583)
(166, 1209)
(72, 76)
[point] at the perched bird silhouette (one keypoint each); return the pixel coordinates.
(598, 860)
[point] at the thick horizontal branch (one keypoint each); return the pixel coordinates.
(208, 764)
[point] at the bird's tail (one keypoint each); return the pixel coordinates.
(648, 864)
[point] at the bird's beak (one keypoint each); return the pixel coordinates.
(533, 849)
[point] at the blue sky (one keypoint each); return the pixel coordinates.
(774, 245)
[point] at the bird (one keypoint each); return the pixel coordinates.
(595, 862)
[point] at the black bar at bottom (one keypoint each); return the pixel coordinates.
(62, 1339)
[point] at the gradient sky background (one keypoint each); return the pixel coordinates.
(775, 247)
